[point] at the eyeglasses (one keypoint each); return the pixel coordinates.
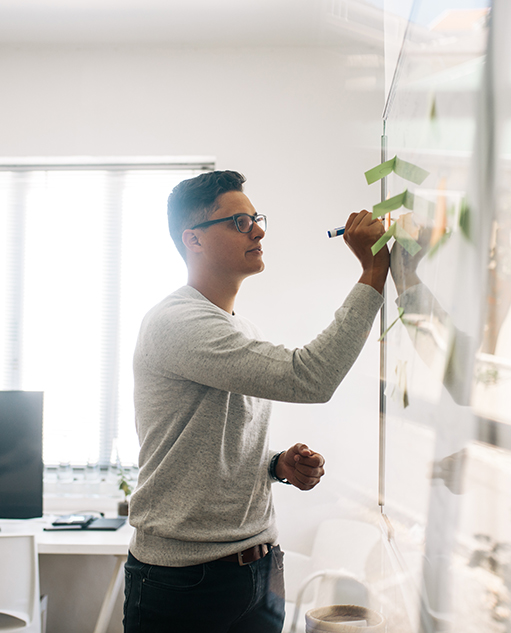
(243, 221)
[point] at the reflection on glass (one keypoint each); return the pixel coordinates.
(448, 357)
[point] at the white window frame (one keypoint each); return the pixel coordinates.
(13, 352)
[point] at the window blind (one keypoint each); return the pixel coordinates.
(84, 253)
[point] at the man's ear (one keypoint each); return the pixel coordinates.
(191, 241)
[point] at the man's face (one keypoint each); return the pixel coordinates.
(228, 252)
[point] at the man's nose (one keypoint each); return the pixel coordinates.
(257, 231)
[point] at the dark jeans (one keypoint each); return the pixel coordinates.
(216, 597)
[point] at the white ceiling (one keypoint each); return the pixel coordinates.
(175, 22)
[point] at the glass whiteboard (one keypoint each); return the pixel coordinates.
(446, 481)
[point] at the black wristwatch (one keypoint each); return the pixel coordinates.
(273, 469)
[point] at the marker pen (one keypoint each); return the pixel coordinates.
(336, 232)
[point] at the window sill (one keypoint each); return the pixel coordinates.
(60, 497)
(72, 504)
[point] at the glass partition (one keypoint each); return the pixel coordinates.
(446, 445)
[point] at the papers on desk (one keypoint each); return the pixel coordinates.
(94, 524)
(74, 520)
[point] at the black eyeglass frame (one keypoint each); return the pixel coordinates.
(255, 220)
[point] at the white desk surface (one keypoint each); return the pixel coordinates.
(71, 542)
(113, 543)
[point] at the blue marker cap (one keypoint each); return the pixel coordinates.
(336, 232)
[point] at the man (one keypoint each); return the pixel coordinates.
(204, 555)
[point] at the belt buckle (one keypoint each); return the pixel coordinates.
(263, 550)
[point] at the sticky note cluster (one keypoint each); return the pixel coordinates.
(406, 199)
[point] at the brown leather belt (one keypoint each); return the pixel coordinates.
(249, 555)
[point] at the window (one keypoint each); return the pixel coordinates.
(84, 253)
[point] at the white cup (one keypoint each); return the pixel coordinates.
(344, 618)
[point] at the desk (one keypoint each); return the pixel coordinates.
(82, 542)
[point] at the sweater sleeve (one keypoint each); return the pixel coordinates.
(204, 346)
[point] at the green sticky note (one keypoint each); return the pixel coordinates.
(400, 312)
(410, 172)
(402, 168)
(402, 199)
(419, 205)
(433, 110)
(434, 250)
(403, 237)
(377, 246)
(405, 199)
(406, 240)
(380, 171)
(423, 207)
(409, 201)
(464, 220)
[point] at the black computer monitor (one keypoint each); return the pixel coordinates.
(21, 454)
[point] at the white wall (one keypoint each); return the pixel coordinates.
(293, 121)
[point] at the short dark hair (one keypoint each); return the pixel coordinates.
(192, 201)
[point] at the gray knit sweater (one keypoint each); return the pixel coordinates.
(203, 384)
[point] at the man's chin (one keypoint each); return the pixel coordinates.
(256, 271)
